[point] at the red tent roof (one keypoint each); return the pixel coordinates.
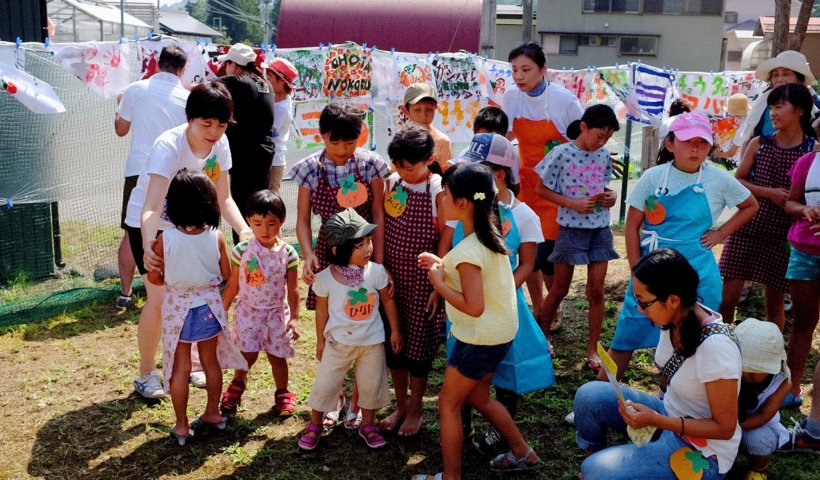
(419, 26)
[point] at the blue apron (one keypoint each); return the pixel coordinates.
(688, 217)
(527, 367)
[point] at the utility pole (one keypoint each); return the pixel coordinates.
(265, 9)
(526, 21)
(488, 17)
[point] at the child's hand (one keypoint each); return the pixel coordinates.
(637, 415)
(309, 268)
(436, 274)
(432, 304)
(812, 214)
(779, 196)
(293, 327)
(151, 260)
(396, 341)
(427, 260)
(711, 238)
(583, 205)
(608, 199)
(320, 349)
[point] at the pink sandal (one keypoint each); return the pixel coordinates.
(307, 441)
(371, 436)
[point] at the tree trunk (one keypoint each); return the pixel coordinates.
(781, 26)
(806, 9)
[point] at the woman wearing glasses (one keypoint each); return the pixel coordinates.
(695, 420)
(674, 205)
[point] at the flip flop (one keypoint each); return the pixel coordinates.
(353, 420)
(181, 439)
(792, 401)
(331, 419)
(198, 423)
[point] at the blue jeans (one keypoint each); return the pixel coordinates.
(596, 411)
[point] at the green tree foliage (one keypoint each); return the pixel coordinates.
(240, 19)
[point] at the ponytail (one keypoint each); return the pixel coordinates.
(474, 183)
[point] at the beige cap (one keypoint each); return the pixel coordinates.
(761, 347)
(419, 91)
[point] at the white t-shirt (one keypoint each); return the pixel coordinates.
(170, 154)
(435, 187)
(152, 106)
(717, 358)
(191, 261)
(722, 189)
(340, 326)
(282, 118)
(556, 103)
(527, 221)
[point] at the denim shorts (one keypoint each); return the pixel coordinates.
(543, 251)
(200, 324)
(582, 246)
(803, 266)
(476, 361)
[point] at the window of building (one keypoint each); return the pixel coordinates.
(568, 45)
(734, 55)
(639, 46)
(687, 7)
(730, 17)
(587, 40)
(618, 6)
(608, 41)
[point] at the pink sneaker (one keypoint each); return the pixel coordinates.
(371, 436)
(307, 441)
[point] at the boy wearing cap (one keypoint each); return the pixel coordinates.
(281, 74)
(674, 205)
(763, 386)
(420, 103)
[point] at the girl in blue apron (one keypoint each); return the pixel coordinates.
(528, 365)
(673, 206)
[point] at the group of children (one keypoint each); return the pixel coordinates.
(395, 251)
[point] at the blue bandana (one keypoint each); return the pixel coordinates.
(539, 89)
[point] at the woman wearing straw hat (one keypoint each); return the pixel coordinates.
(763, 386)
(787, 67)
(249, 134)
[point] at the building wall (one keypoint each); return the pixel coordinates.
(508, 36)
(754, 9)
(687, 42)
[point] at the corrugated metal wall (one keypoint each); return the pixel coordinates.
(23, 18)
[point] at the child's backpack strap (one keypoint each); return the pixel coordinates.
(674, 363)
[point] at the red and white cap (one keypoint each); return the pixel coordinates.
(282, 69)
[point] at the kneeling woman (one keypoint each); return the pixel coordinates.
(701, 369)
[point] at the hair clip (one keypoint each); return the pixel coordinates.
(479, 196)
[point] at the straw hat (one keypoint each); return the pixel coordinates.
(790, 59)
(761, 347)
(738, 105)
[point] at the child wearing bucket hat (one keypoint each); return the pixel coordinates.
(420, 104)
(764, 384)
(349, 328)
(282, 75)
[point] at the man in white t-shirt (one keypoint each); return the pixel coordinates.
(146, 109)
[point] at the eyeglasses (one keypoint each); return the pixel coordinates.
(644, 305)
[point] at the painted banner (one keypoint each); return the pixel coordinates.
(306, 124)
(13, 55)
(705, 92)
(411, 68)
(651, 88)
(36, 95)
(310, 63)
(348, 72)
(498, 76)
(199, 68)
(459, 77)
(99, 65)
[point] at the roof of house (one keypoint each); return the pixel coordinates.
(408, 26)
(766, 25)
(749, 25)
(106, 13)
(182, 23)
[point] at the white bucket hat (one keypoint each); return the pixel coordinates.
(239, 54)
(761, 347)
(790, 59)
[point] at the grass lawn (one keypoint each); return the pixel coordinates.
(70, 411)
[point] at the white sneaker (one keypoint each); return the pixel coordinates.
(570, 418)
(150, 386)
(197, 379)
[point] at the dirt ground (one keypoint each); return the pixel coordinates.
(70, 410)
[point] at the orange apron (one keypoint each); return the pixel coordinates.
(535, 139)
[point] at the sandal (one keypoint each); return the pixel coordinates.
(181, 439)
(792, 401)
(353, 420)
(371, 436)
(124, 300)
(331, 419)
(310, 439)
(506, 462)
(232, 397)
(285, 403)
(198, 424)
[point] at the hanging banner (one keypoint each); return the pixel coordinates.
(99, 65)
(651, 88)
(705, 92)
(348, 72)
(499, 77)
(411, 68)
(458, 77)
(310, 63)
(306, 124)
(36, 95)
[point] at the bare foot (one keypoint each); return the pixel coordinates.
(410, 426)
(392, 421)
(593, 361)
